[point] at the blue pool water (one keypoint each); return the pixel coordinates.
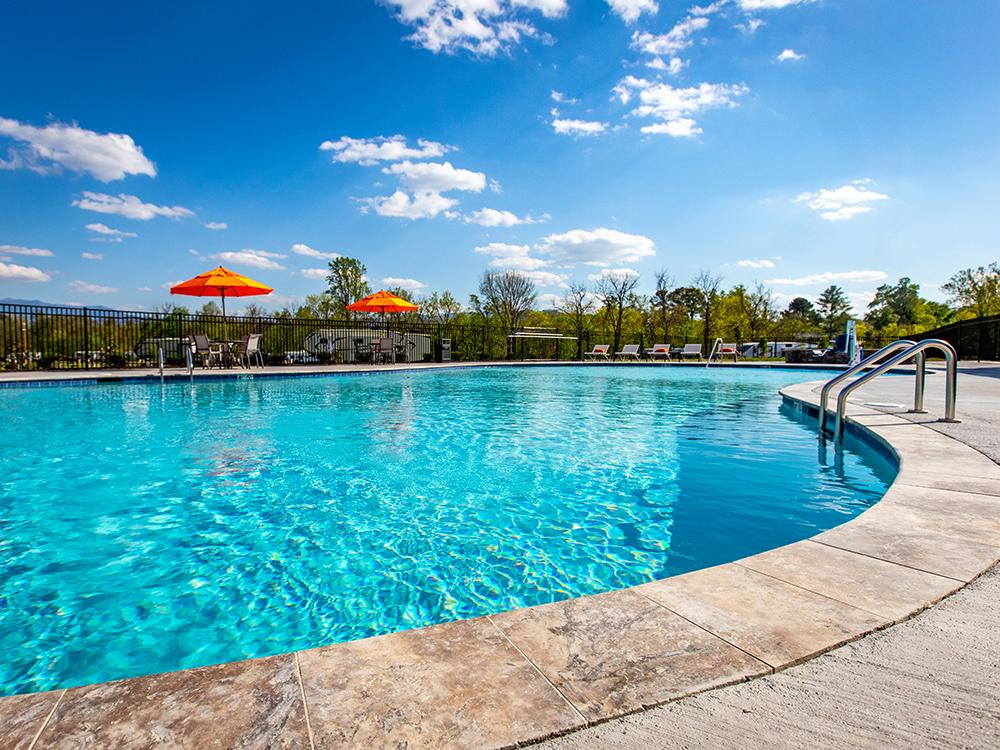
(147, 528)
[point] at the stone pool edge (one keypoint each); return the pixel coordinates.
(521, 676)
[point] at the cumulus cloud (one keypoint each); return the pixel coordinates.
(630, 10)
(216, 225)
(561, 98)
(672, 42)
(516, 257)
(309, 252)
(596, 247)
(483, 27)
(492, 217)
(672, 68)
(755, 263)
(14, 272)
(128, 206)
(830, 277)
(546, 278)
(401, 205)
(253, 258)
(674, 107)
(565, 126)
(88, 288)
(752, 5)
(91, 256)
(371, 151)
(436, 177)
(35, 252)
(106, 156)
(107, 234)
(411, 284)
(606, 272)
(314, 273)
(789, 55)
(843, 203)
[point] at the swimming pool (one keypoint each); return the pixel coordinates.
(147, 528)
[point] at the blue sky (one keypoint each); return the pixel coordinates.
(560, 137)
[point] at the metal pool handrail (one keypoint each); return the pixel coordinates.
(874, 359)
(715, 347)
(951, 381)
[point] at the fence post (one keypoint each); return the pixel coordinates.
(86, 339)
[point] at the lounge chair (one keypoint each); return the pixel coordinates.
(660, 351)
(600, 351)
(202, 347)
(690, 350)
(729, 349)
(629, 351)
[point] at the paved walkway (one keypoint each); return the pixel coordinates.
(933, 681)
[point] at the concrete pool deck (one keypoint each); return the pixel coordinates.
(528, 674)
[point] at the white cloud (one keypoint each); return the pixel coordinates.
(35, 252)
(675, 106)
(751, 25)
(672, 42)
(752, 5)
(436, 177)
(315, 273)
(596, 247)
(561, 98)
(630, 10)
(108, 234)
(106, 156)
(755, 263)
(309, 252)
(144, 288)
(216, 225)
(254, 258)
(830, 277)
(605, 272)
(516, 257)
(578, 127)
(14, 272)
(789, 54)
(860, 300)
(675, 66)
(707, 10)
(128, 206)
(845, 202)
(492, 217)
(370, 151)
(545, 278)
(411, 284)
(88, 288)
(483, 27)
(400, 205)
(91, 256)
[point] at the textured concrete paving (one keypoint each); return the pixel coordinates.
(933, 681)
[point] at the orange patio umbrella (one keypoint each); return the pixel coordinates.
(221, 282)
(382, 302)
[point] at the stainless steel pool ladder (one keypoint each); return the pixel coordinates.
(715, 347)
(892, 356)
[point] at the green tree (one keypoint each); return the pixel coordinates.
(834, 306)
(708, 286)
(348, 283)
(802, 310)
(977, 290)
(895, 306)
(615, 290)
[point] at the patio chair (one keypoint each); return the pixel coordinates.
(600, 351)
(660, 351)
(202, 347)
(249, 351)
(690, 350)
(386, 351)
(629, 351)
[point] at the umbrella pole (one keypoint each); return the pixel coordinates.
(225, 321)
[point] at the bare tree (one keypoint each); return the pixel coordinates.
(509, 297)
(577, 305)
(708, 286)
(615, 290)
(440, 308)
(661, 301)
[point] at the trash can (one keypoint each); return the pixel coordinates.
(442, 350)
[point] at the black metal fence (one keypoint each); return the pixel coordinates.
(49, 337)
(978, 338)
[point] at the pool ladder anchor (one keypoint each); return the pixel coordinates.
(894, 354)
